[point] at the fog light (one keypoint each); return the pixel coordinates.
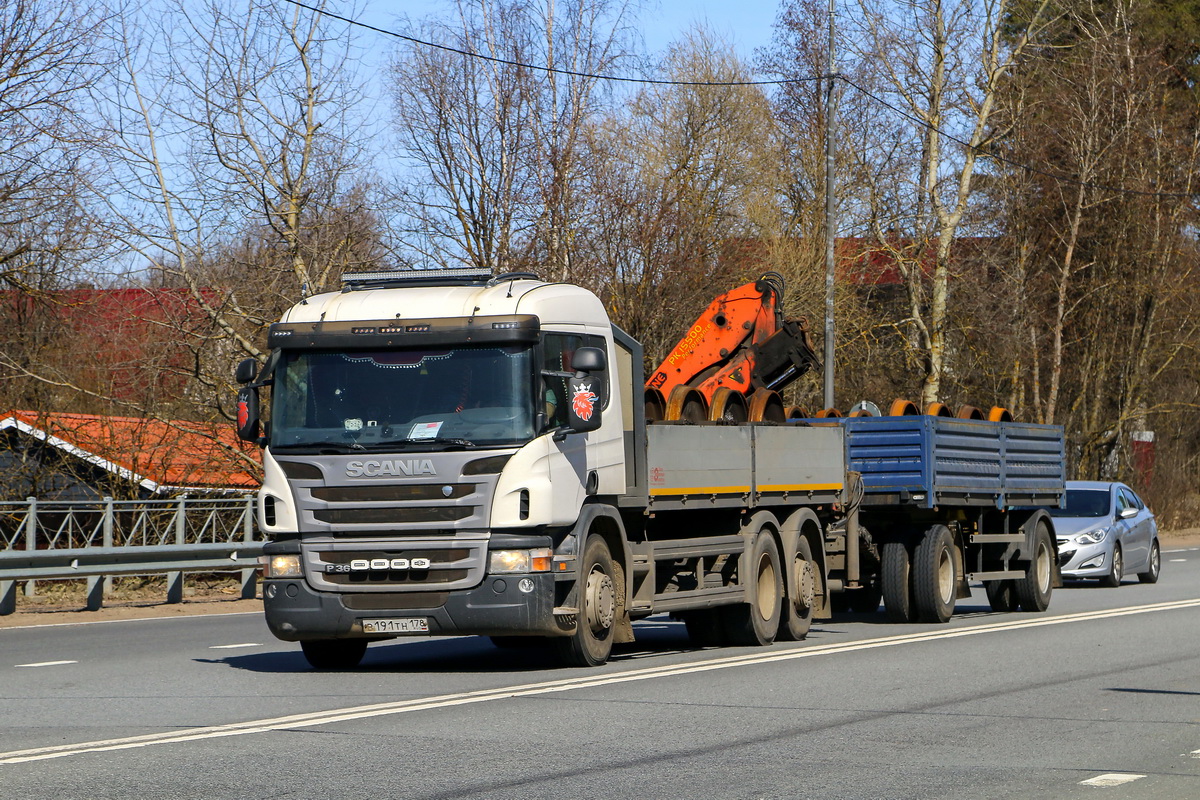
(525, 585)
(287, 566)
(1098, 561)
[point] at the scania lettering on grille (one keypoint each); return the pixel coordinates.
(392, 467)
(378, 565)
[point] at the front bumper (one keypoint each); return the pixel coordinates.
(497, 606)
(1073, 558)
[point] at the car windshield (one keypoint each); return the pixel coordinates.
(403, 399)
(1083, 503)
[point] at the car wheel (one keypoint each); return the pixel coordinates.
(1034, 590)
(1117, 571)
(1155, 565)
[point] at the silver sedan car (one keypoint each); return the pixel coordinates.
(1105, 531)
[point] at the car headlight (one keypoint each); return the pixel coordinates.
(1092, 537)
(536, 560)
(286, 566)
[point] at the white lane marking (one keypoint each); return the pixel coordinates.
(46, 664)
(1177, 560)
(234, 646)
(550, 687)
(1111, 779)
(1196, 754)
(139, 619)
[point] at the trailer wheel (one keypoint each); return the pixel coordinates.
(334, 653)
(757, 622)
(1002, 595)
(934, 575)
(1034, 589)
(591, 643)
(895, 582)
(798, 610)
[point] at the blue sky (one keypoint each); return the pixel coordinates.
(746, 23)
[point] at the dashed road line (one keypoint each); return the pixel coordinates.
(310, 719)
(46, 664)
(1111, 779)
(234, 646)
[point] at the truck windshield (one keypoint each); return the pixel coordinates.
(401, 399)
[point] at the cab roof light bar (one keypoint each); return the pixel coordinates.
(460, 276)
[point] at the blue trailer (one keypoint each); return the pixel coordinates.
(941, 502)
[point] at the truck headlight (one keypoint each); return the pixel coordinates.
(286, 566)
(536, 560)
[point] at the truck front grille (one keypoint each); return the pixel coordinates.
(387, 516)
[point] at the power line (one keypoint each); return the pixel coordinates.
(550, 70)
(1057, 177)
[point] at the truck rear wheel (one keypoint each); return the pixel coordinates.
(1034, 589)
(895, 581)
(799, 607)
(334, 653)
(935, 575)
(757, 622)
(591, 643)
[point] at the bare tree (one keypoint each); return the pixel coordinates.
(945, 64)
(492, 124)
(49, 58)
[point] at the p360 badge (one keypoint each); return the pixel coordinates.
(378, 565)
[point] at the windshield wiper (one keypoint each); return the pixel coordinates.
(433, 440)
(339, 445)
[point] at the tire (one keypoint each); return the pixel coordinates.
(1002, 595)
(895, 582)
(798, 611)
(334, 653)
(705, 628)
(1033, 591)
(934, 576)
(756, 623)
(1154, 567)
(1116, 570)
(591, 643)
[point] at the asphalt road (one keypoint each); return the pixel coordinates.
(1105, 687)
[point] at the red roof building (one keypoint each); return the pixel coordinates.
(158, 456)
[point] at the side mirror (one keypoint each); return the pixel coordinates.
(589, 359)
(247, 371)
(584, 400)
(1126, 513)
(248, 425)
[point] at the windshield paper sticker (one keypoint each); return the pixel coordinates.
(425, 430)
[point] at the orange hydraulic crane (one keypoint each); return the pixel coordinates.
(733, 359)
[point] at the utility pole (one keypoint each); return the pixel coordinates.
(830, 212)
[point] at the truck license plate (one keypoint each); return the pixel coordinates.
(403, 625)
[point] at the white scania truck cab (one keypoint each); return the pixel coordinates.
(434, 440)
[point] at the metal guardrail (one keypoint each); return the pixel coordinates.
(54, 540)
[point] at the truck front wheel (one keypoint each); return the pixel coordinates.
(334, 653)
(591, 643)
